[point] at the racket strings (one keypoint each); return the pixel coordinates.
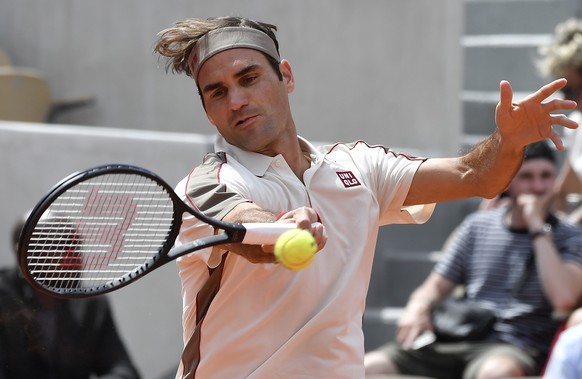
(99, 231)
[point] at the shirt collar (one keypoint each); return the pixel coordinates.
(257, 163)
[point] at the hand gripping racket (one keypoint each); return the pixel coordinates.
(100, 229)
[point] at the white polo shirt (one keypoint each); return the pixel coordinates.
(270, 322)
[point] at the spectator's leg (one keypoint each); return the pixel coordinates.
(499, 361)
(378, 362)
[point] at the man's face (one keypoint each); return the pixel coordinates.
(536, 176)
(245, 99)
(573, 90)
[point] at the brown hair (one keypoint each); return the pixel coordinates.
(176, 43)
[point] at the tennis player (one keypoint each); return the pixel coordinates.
(244, 319)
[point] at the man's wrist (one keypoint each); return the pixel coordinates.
(545, 230)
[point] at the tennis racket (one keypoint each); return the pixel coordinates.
(101, 229)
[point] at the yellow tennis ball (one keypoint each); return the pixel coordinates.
(295, 249)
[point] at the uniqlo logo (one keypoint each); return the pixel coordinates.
(348, 179)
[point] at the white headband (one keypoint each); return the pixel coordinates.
(227, 38)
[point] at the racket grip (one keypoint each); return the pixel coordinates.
(266, 233)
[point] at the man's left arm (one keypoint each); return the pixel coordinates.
(489, 167)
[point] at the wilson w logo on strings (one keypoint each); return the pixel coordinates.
(106, 220)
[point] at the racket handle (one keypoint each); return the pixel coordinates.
(266, 233)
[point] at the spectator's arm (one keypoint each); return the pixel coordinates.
(416, 317)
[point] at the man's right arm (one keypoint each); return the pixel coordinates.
(303, 217)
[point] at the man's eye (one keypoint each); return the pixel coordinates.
(218, 93)
(249, 79)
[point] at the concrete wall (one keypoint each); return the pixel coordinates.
(387, 71)
(35, 157)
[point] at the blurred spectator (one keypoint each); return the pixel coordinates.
(517, 260)
(46, 337)
(562, 58)
(566, 359)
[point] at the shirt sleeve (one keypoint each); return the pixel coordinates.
(390, 173)
(203, 190)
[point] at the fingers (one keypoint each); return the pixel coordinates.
(319, 234)
(531, 119)
(548, 89)
(555, 104)
(302, 216)
(407, 336)
(406, 339)
(559, 104)
(505, 96)
(306, 218)
(557, 140)
(534, 207)
(563, 120)
(402, 335)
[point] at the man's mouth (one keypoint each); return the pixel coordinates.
(245, 120)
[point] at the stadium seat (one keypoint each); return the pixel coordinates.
(24, 95)
(4, 58)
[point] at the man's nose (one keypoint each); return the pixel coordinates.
(540, 185)
(237, 98)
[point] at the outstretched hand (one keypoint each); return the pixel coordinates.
(532, 119)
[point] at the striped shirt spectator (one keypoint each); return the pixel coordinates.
(489, 259)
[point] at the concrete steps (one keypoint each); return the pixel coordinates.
(516, 16)
(500, 42)
(490, 59)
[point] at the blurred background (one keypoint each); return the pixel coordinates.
(80, 86)
(363, 71)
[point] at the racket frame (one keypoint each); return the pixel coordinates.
(233, 232)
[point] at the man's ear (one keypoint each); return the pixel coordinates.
(287, 73)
